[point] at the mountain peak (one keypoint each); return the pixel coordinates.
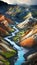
(3, 3)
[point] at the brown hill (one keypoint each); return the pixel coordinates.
(4, 25)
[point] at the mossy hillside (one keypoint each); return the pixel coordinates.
(8, 54)
(5, 62)
(18, 36)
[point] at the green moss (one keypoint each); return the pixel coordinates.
(12, 30)
(15, 38)
(20, 33)
(27, 15)
(11, 9)
(18, 10)
(34, 13)
(5, 62)
(9, 54)
(7, 33)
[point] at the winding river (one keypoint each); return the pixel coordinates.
(21, 50)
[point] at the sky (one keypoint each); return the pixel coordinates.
(29, 2)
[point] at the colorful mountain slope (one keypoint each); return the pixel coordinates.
(6, 49)
(5, 25)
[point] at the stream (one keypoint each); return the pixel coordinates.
(21, 51)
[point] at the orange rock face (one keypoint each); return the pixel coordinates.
(3, 18)
(27, 42)
(4, 25)
(3, 32)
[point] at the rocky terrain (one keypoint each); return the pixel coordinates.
(5, 26)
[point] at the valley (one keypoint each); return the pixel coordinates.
(18, 35)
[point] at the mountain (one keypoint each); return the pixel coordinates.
(33, 9)
(30, 39)
(15, 12)
(6, 52)
(3, 3)
(6, 49)
(5, 25)
(3, 6)
(3, 61)
(18, 12)
(31, 58)
(27, 34)
(29, 22)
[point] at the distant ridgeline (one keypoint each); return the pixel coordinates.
(18, 12)
(3, 3)
(33, 9)
(34, 6)
(3, 6)
(14, 11)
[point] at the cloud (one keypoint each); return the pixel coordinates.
(24, 1)
(10, 1)
(33, 2)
